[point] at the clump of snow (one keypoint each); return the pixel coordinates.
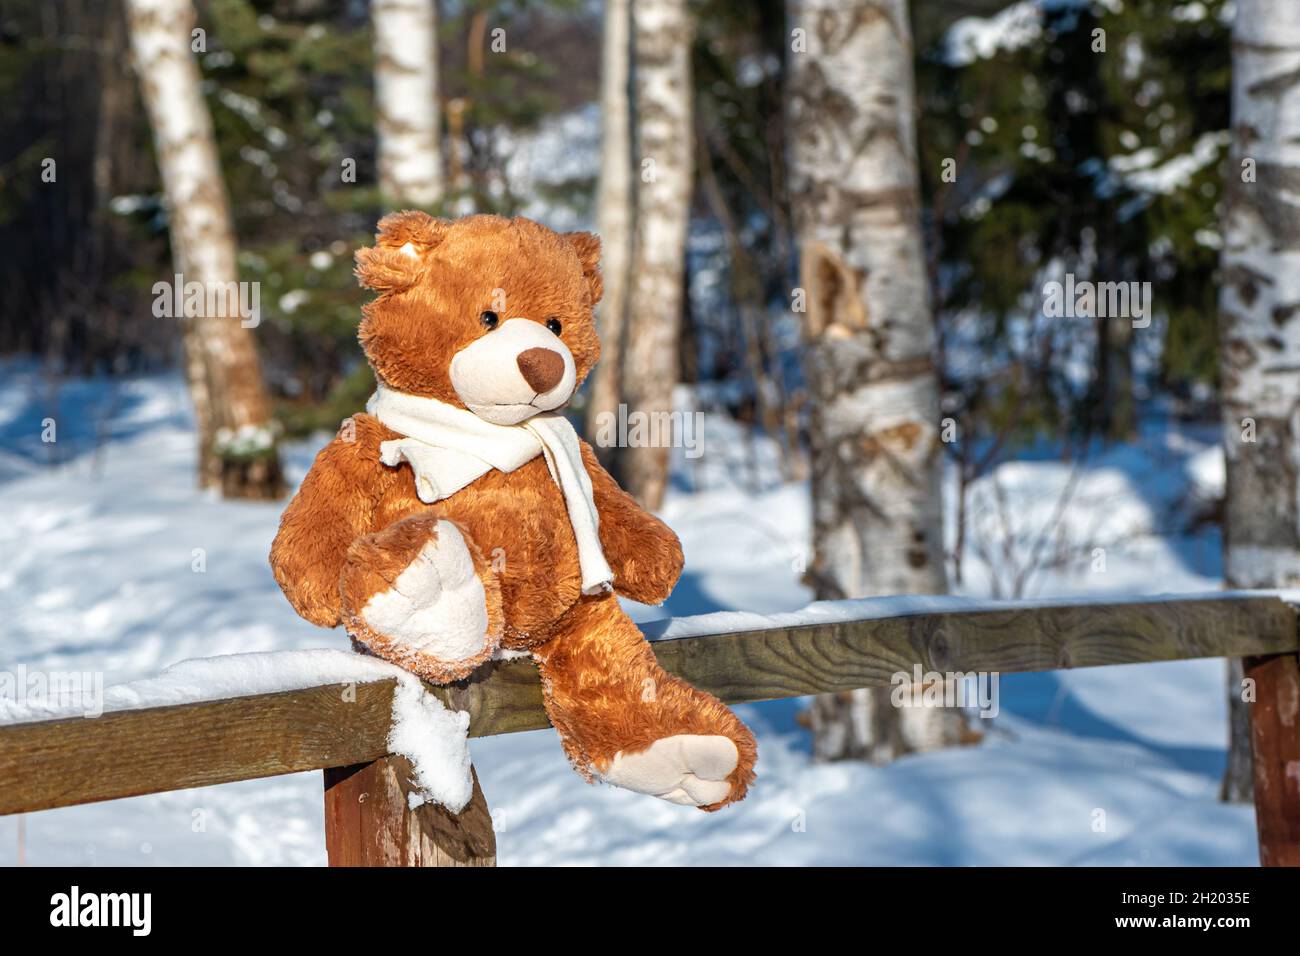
(981, 38)
(1207, 472)
(1193, 12)
(1140, 171)
(435, 740)
(294, 299)
(244, 440)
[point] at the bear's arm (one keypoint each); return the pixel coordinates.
(643, 551)
(334, 505)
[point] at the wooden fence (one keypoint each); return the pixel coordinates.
(77, 760)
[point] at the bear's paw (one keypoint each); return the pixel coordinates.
(688, 769)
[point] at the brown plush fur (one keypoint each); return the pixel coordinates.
(356, 523)
(624, 700)
(429, 306)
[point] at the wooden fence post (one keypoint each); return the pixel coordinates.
(368, 821)
(1275, 750)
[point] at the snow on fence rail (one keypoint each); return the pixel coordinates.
(54, 763)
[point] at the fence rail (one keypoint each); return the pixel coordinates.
(76, 760)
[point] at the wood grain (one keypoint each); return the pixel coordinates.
(368, 821)
(126, 753)
(1275, 756)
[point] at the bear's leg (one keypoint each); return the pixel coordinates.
(624, 720)
(419, 594)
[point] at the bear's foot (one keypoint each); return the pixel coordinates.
(690, 769)
(419, 594)
(623, 720)
(704, 758)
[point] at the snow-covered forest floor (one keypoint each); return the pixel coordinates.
(103, 530)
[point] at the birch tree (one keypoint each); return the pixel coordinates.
(869, 335)
(1259, 325)
(236, 450)
(614, 213)
(663, 147)
(406, 100)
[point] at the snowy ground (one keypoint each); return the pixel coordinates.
(113, 563)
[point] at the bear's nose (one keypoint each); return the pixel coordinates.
(542, 369)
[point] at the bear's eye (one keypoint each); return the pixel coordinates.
(490, 320)
(554, 325)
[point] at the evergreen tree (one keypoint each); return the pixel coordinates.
(1073, 138)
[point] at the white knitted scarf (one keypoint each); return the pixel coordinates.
(448, 447)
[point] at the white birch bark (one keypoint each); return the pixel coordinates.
(406, 100)
(877, 523)
(664, 138)
(614, 212)
(220, 353)
(1259, 315)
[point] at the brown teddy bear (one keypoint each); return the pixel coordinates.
(461, 518)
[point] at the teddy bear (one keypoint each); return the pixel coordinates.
(460, 518)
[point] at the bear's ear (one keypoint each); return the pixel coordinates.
(397, 258)
(587, 246)
(411, 226)
(385, 269)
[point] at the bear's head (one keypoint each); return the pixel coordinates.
(485, 313)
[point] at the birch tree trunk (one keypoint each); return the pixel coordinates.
(877, 521)
(664, 136)
(1259, 325)
(406, 100)
(614, 214)
(236, 447)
